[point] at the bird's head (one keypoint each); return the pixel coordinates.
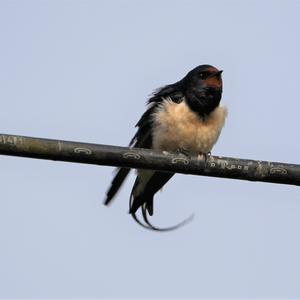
(202, 88)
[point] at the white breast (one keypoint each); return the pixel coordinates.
(177, 126)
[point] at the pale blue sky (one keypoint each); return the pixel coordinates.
(82, 70)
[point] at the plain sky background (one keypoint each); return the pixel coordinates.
(82, 70)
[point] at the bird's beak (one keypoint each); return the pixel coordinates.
(216, 74)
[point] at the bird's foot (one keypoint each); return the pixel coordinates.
(204, 156)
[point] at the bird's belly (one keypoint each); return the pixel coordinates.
(176, 126)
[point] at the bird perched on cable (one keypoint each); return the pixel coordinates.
(184, 116)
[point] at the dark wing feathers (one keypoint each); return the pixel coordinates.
(143, 137)
(115, 184)
(172, 90)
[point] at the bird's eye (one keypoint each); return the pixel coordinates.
(203, 75)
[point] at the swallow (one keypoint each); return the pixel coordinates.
(184, 117)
